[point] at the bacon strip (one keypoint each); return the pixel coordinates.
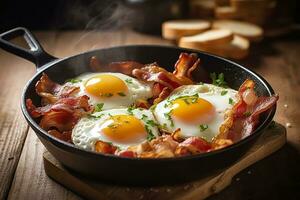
(163, 79)
(192, 145)
(186, 64)
(244, 116)
(106, 148)
(62, 115)
(47, 89)
(51, 92)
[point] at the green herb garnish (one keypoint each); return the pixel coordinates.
(73, 80)
(121, 94)
(230, 101)
(130, 110)
(247, 114)
(112, 126)
(224, 92)
(98, 107)
(128, 80)
(152, 108)
(150, 135)
(168, 116)
(218, 80)
(151, 123)
(203, 127)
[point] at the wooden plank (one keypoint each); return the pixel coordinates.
(273, 139)
(14, 73)
(30, 181)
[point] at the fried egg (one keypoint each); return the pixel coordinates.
(121, 127)
(198, 110)
(112, 90)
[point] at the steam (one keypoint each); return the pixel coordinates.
(95, 17)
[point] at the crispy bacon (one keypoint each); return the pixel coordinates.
(127, 154)
(161, 147)
(62, 115)
(244, 116)
(103, 147)
(163, 95)
(51, 92)
(140, 103)
(47, 89)
(163, 79)
(192, 145)
(125, 67)
(220, 143)
(185, 65)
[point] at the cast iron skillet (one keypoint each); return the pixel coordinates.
(133, 170)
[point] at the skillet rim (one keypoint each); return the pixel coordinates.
(70, 147)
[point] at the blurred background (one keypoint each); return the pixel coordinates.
(105, 14)
(267, 18)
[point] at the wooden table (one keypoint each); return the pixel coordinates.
(22, 173)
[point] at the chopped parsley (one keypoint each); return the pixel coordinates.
(113, 126)
(168, 116)
(191, 99)
(130, 110)
(121, 94)
(95, 116)
(150, 135)
(203, 127)
(218, 80)
(152, 108)
(98, 107)
(164, 126)
(151, 123)
(247, 114)
(230, 101)
(224, 92)
(73, 80)
(144, 117)
(128, 80)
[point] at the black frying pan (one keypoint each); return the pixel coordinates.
(133, 170)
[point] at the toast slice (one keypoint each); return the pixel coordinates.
(207, 38)
(175, 29)
(238, 48)
(244, 29)
(226, 12)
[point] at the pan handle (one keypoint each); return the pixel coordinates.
(35, 53)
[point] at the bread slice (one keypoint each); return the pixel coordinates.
(175, 29)
(207, 38)
(226, 12)
(238, 48)
(244, 29)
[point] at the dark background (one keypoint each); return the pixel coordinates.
(89, 14)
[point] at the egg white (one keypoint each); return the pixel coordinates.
(87, 131)
(136, 90)
(209, 92)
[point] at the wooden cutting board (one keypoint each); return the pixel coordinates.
(272, 140)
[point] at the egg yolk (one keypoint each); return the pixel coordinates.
(106, 85)
(193, 110)
(124, 129)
